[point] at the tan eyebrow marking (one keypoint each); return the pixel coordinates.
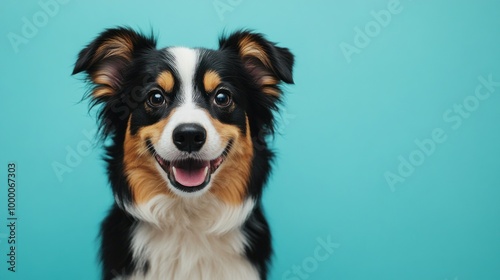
(166, 81)
(211, 80)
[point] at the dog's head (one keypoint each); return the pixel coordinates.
(185, 121)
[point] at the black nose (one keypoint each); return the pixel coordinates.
(189, 137)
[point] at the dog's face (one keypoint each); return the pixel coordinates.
(190, 123)
(187, 119)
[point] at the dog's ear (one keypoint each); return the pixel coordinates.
(106, 58)
(268, 64)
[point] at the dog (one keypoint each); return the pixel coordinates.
(186, 132)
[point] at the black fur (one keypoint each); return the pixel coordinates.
(134, 78)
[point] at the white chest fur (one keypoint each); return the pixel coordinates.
(198, 239)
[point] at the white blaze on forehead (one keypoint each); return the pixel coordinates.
(185, 60)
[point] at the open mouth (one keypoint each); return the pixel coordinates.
(190, 175)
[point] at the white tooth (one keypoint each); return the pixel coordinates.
(175, 171)
(206, 170)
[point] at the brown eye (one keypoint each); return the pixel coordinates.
(156, 98)
(222, 97)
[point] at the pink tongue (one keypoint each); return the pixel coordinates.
(190, 177)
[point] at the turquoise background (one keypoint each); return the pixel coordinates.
(346, 124)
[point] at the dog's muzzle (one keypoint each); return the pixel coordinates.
(189, 172)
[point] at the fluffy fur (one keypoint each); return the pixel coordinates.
(188, 157)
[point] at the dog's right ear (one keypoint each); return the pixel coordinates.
(106, 58)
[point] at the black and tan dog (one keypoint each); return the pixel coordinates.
(187, 158)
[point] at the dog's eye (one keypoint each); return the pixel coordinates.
(156, 98)
(222, 97)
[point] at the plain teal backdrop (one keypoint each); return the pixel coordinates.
(388, 148)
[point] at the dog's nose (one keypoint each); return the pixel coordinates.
(189, 137)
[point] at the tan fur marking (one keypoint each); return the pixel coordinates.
(268, 80)
(211, 80)
(271, 91)
(118, 46)
(248, 47)
(166, 81)
(104, 82)
(140, 169)
(230, 184)
(268, 83)
(102, 91)
(101, 77)
(121, 46)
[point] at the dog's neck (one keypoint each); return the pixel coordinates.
(205, 215)
(202, 232)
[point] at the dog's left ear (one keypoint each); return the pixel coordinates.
(268, 64)
(106, 59)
